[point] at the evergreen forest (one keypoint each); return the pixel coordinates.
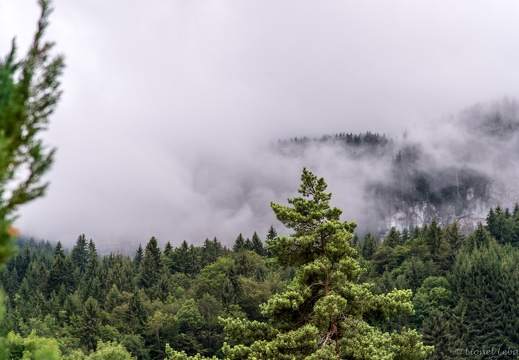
(323, 292)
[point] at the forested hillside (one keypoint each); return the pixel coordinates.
(441, 283)
(458, 171)
(207, 299)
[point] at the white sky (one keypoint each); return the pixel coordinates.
(167, 103)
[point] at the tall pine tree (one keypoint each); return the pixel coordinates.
(325, 311)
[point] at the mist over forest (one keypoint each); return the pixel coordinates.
(259, 180)
(187, 148)
(454, 168)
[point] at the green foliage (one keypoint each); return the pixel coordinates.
(29, 93)
(309, 301)
(433, 237)
(181, 355)
(369, 246)
(211, 251)
(480, 238)
(186, 259)
(485, 285)
(323, 312)
(79, 254)
(90, 324)
(434, 294)
(502, 226)
(239, 244)
(15, 347)
(257, 245)
(139, 255)
(149, 270)
(393, 238)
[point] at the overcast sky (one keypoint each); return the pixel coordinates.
(168, 105)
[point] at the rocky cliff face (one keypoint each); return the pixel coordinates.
(468, 166)
(455, 169)
(408, 215)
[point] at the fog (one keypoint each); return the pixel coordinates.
(170, 108)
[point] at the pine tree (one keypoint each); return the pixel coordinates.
(491, 225)
(247, 245)
(150, 269)
(239, 244)
(369, 246)
(455, 239)
(29, 93)
(515, 214)
(479, 238)
(272, 233)
(436, 333)
(405, 236)
(433, 237)
(135, 312)
(59, 272)
(355, 242)
(499, 225)
(485, 284)
(91, 284)
(168, 249)
(257, 244)
(167, 256)
(417, 232)
(393, 238)
(186, 259)
(90, 324)
(323, 313)
(211, 251)
(79, 254)
(137, 259)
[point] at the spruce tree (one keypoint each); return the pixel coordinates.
(211, 250)
(272, 233)
(393, 238)
(247, 245)
(79, 254)
(369, 246)
(58, 272)
(137, 259)
(239, 244)
(478, 238)
(454, 238)
(257, 244)
(405, 236)
(186, 259)
(90, 324)
(436, 333)
(355, 242)
(168, 249)
(150, 269)
(91, 286)
(485, 284)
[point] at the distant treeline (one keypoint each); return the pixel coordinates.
(175, 295)
(367, 138)
(413, 183)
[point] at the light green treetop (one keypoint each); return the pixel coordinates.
(325, 312)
